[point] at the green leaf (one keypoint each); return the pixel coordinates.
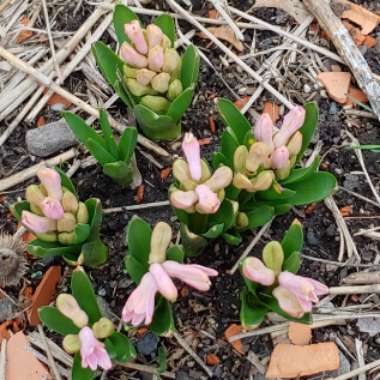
(55, 321)
(225, 215)
(301, 174)
(123, 94)
(190, 67)
(122, 15)
(99, 152)
(259, 215)
(180, 104)
(81, 130)
(95, 253)
(175, 253)
(218, 159)
(193, 244)
(127, 144)
(80, 373)
(95, 213)
(139, 234)
(293, 239)
(234, 119)
(233, 240)
(214, 231)
(18, 207)
(81, 233)
(167, 25)
(162, 359)
(44, 249)
(274, 194)
(251, 315)
(83, 292)
(135, 268)
(107, 134)
(228, 144)
(313, 189)
(309, 126)
(163, 321)
(119, 171)
(66, 181)
(292, 263)
(120, 348)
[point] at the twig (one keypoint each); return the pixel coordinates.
(360, 356)
(253, 359)
(359, 289)
(52, 364)
(356, 372)
(359, 196)
(184, 345)
(254, 241)
(136, 207)
(147, 369)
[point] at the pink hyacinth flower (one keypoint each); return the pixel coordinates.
(140, 304)
(306, 290)
(183, 199)
(51, 181)
(280, 158)
(263, 130)
(92, 352)
(135, 34)
(132, 57)
(37, 224)
(288, 302)
(156, 58)
(196, 276)
(192, 152)
(208, 201)
(164, 283)
(293, 121)
(255, 270)
(153, 35)
(52, 208)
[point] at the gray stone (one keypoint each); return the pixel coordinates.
(147, 344)
(49, 139)
(369, 325)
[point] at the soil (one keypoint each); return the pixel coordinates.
(203, 318)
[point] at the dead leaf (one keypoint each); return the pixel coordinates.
(212, 359)
(58, 102)
(309, 210)
(273, 110)
(232, 330)
(24, 34)
(225, 33)
(289, 361)
(205, 141)
(44, 293)
(299, 333)
(357, 94)
(336, 84)
(346, 210)
(139, 197)
(240, 103)
(40, 121)
(4, 333)
(370, 42)
(212, 125)
(164, 174)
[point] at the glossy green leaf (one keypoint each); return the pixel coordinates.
(120, 348)
(66, 181)
(99, 152)
(214, 231)
(301, 174)
(44, 249)
(95, 253)
(273, 194)
(18, 207)
(233, 240)
(80, 373)
(135, 268)
(127, 144)
(81, 233)
(162, 359)
(180, 104)
(259, 215)
(122, 15)
(55, 321)
(225, 215)
(292, 263)
(123, 94)
(282, 209)
(193, 244)
(167, 25)
(190, 66)
(163, 321)
(228, 145)
(119, 171)
(95, 213)
(309, 126)
(218, 159)
(251, 315)
(83, 291)
(175, 253)
(139, 233)
(234, 119)
(293, 239)
(107, 134)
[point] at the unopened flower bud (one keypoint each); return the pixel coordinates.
(82, 214)
(67, 223)
(273, 256)
(280, 158)
(156, 58)
(135, 34)
(37, 224)
(171, 60)
(70, 308)
(158, 104)
(205, 171)
(153, 35)
(71, 344)
(221, 178)
(136, 88)
(240, 158)
(66, 238)
(284, 172)
(242, 182)
(242, 220)
(132, 57)
(69, 202)
(181, 173)
(295, 144)
(51, 180)
(160, 82)
(129, 72)
(49, 237)
(34, 195)
(263, 180)
(35, 209)
(258, 156)
(103, 328)
(165, 42)
(175, 89)
(263, 130)
(256, 271)
(159, 242)
(144, 76)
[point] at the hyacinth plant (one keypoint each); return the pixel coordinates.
(115, 159)
(153, 262)
(271, 284)
(149, 75)
(198, 196)
(266, 161)
(88, 335)
(63, 225)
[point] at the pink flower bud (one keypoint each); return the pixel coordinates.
(51, 181)
(156, 58)
(293, 121)
(52, 208)
(164, 283)
(191, 149)
(153, 35)
(183, 199)
(132, 57)
(135, 34)
(255, 270)
(144, 76)
(263, 130)
(37, 224)
(208, 201)
(288, 302)
(280, 158)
